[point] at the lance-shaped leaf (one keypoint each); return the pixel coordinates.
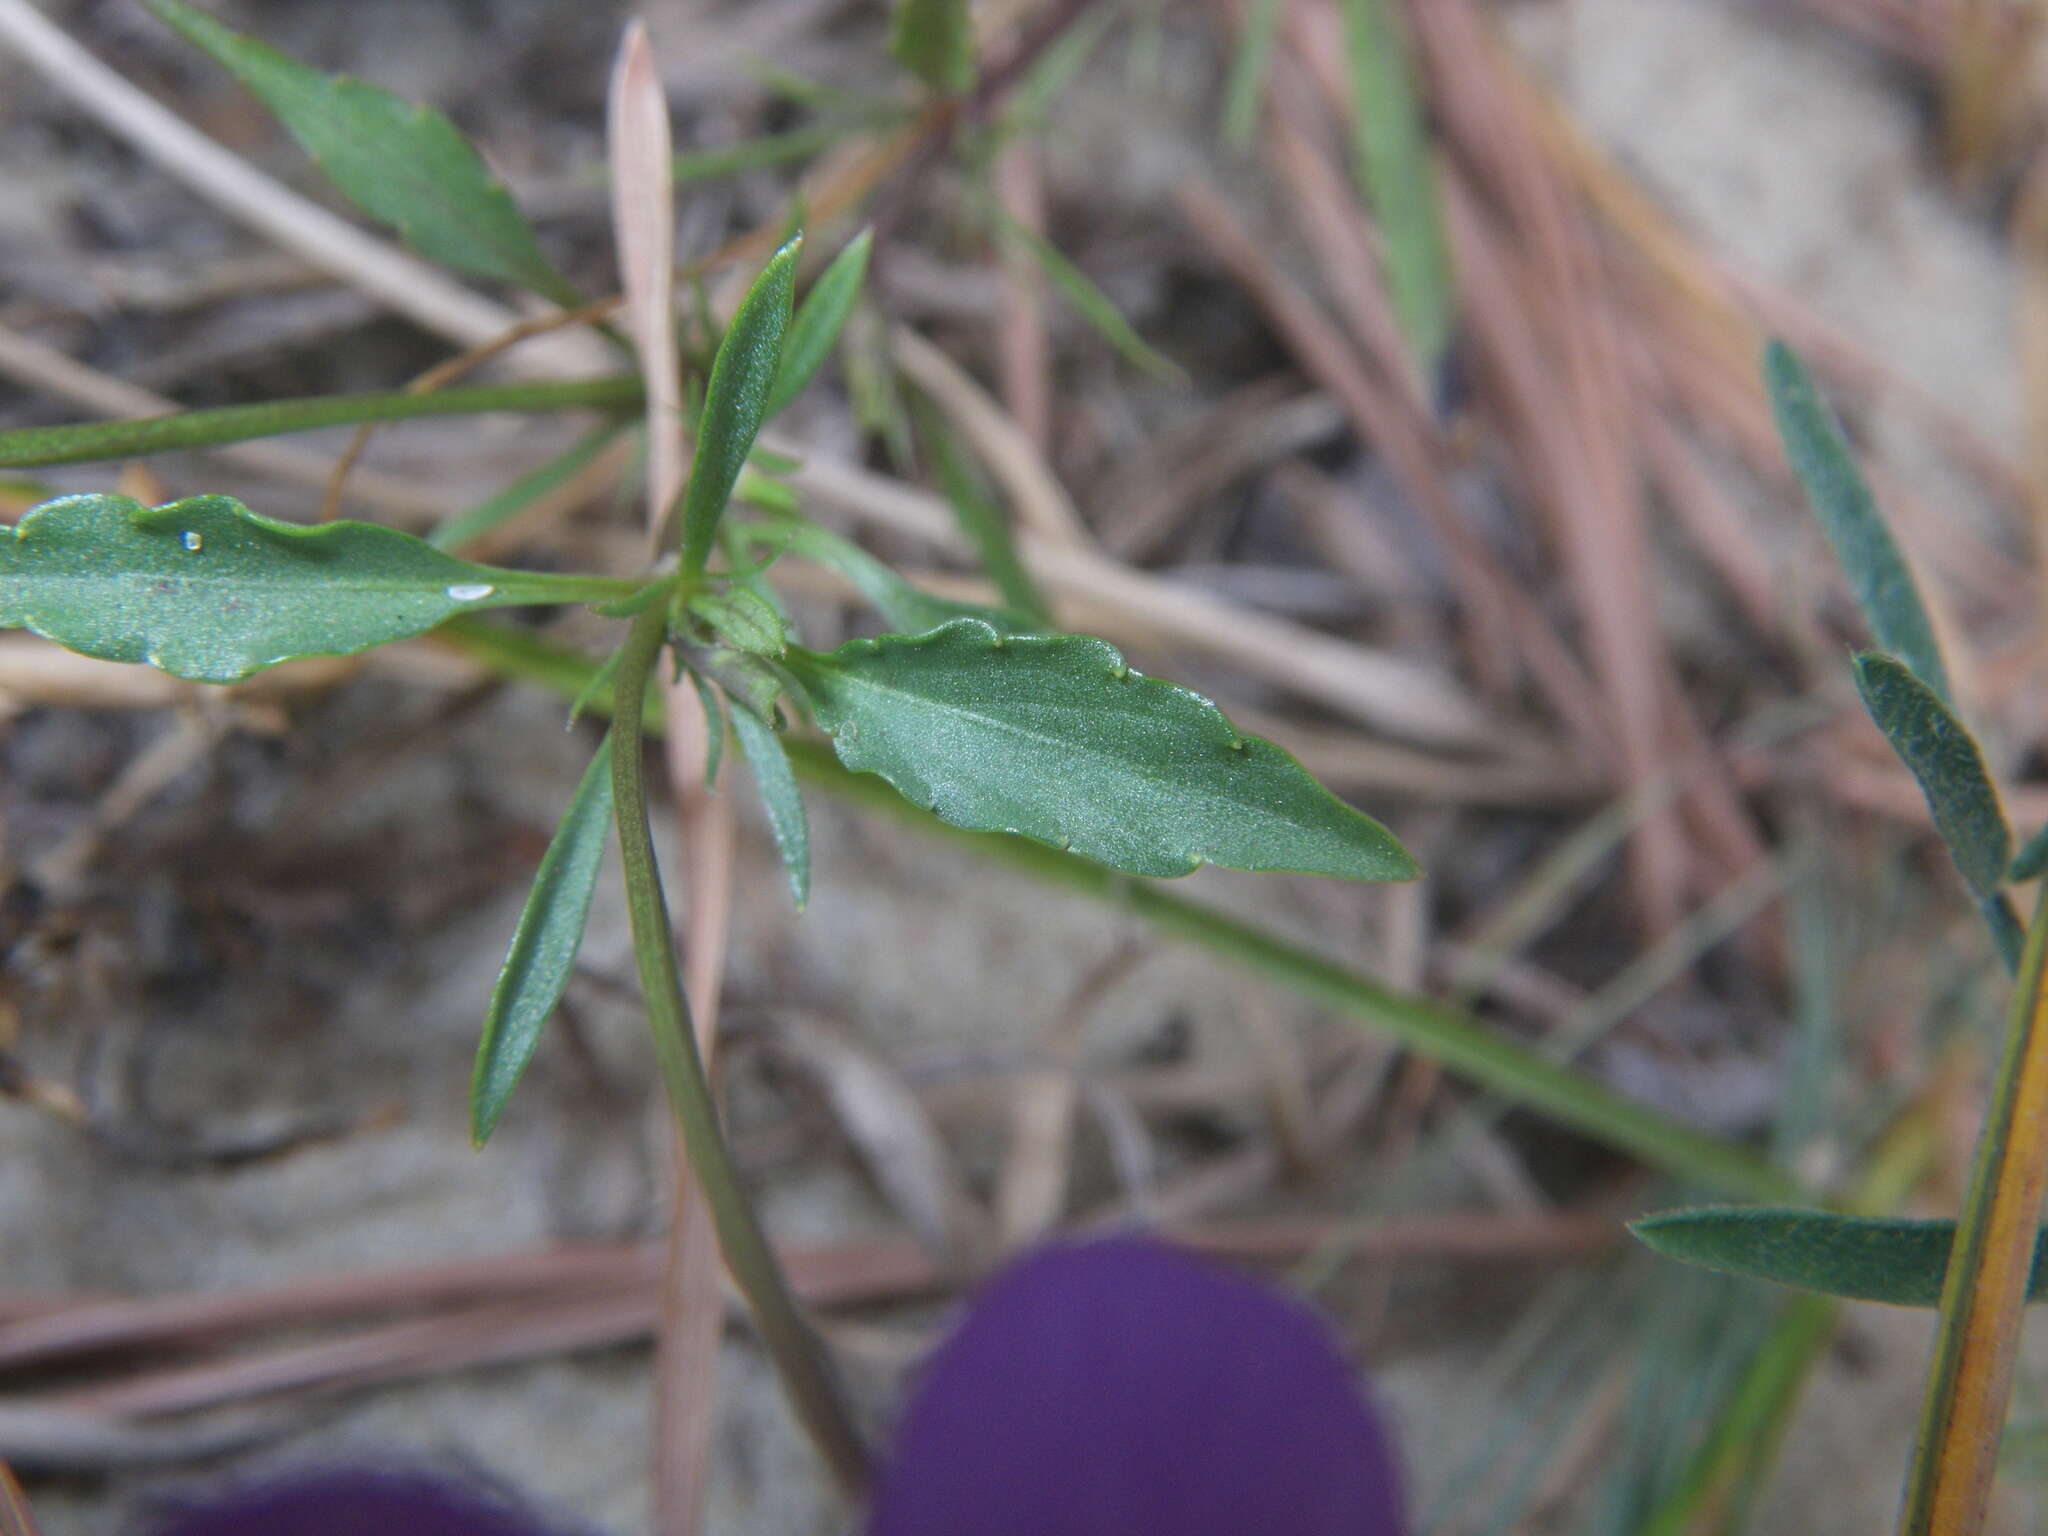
(1849, 516)
(934, 40)
(819, 319)
(1055, 738)
(1866, 1258)
(208, 590)
(736, 401)
(403, 164)
(544, 947)
(1945, 758)
(2031, 862)
(779, 794)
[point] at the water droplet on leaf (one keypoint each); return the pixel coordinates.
(471, 591)
(191, 541)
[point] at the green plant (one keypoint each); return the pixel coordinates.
(978, 714)
(1982, 1269)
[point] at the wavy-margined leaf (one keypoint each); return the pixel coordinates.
(544, 947)
(902, 606)
(208, 590)
(779, 794)
(1055, 738)
(818, 320)
(934, 40)
(1944, 757)
(736, 401)
(1849, 516)
(1865, 1258)
(403, 164)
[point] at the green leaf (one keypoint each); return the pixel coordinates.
(818, 320)
(208, 590)
(81, 442)
(1945, 758)
(736, 401)
(1055, 738)
(544, 947)
(934, 40)
(1392, 153)
(1245, 91)
(784, 802)
(903, 607)
(501, 507)
(1088, 301)
(742, 619)
(1864, 1258)
(984, 522)
(403, 164)
(714, 726)
(2031, 861)
(1848, 514)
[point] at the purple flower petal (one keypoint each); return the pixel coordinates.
(1121, 1387)
(352, 1502)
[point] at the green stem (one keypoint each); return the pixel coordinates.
(79, 442)
(1969, 1382)
(1461, 1043)
(798, 1355)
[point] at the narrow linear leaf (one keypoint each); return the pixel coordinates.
(714, 727)
(504, 505)
(735, 402)
(84, 441)
(762, 152)
(1088, 301)
(544, 947)
(983, 520)
(2031, 862)
(934, 40)
(403, 164)
(1053, 737)
(819, 319)
(1864, 1258)
(902, 606)
(1392, 153)
(1848, 514)
(1944, 757)
(208, 590)
(1245, 91)
(779, 794)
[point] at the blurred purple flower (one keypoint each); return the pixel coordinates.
(1121, 1386)
(1110, 1388)
(353, 1502)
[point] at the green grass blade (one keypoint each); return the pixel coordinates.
(983, 521)
(1849, 516)
(903, 607)
(735, 403)
(1392, 153)
(934, 40)
(504, 505)
(85, 441)
(544, 947)
(1088, 301)
(1947, 763)
(208, 590)
(1053, 737)
(780, 795)
(403, 164)
(1245, 91)
(756, 154)
(818, 320)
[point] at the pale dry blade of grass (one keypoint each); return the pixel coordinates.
(1023, 344)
